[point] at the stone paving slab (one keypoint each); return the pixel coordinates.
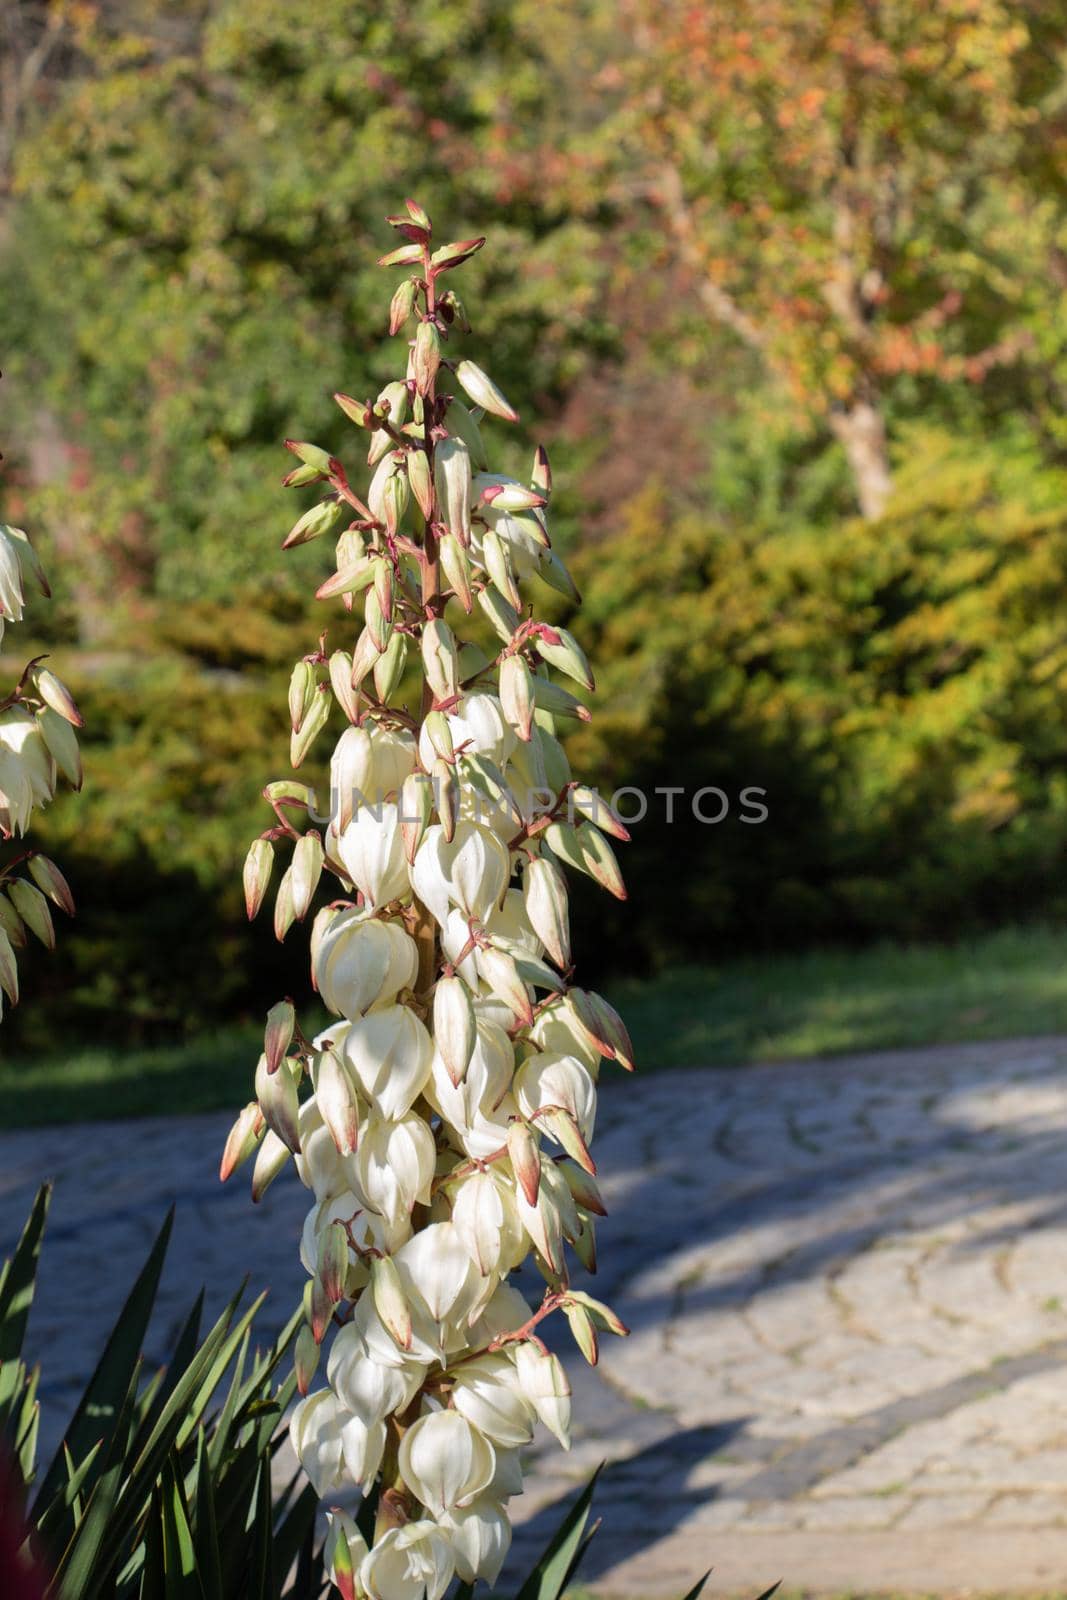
(846, 1281)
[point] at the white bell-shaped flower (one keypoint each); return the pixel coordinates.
(488, 1394)
(371, 850)
(445, 1461)
(478, 727)
(318, 1166)
(362, 1446)
(436, 1270)
(315, 1434)
(395, 1165)
(553, 1080)
(544, 1383)
(484, 1215)
(361, 962)
(478, 1109)
(480, 1536)
(367, 1387)
(392, 758)
(423, 1349)
(470, 872)
(390, 1054)
(410, 1563)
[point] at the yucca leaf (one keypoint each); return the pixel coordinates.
(579, 1555)
(209, 1565)
(155, 1395)
(179, 1554)
(18, 1279)
(77, 1572)
(291, 1532)
(220, 1440)
(261, 1571)
(551, 1572)
(69, 1498)
(97, 1411)
(695, 1592)
(27, 1425)
(176, 1416)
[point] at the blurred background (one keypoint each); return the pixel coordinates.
(782, 286)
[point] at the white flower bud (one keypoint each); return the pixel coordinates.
(444, 1461)
(336, 1099)
(483, 391)
(279, 1101)
(544, 1383)
(453, 1025)
(440, 660)
(351, 776)
(452, 476)
(545, 898)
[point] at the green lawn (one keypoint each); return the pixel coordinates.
(829, 1002)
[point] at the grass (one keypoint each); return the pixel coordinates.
(1001, 986)
(1004, 985)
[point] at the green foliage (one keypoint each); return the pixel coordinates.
(158, 1490)
(197, 223)
(900, 693)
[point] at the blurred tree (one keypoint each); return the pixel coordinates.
(828, 171)
(194, 218)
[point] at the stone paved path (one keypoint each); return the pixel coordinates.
(847, 1285)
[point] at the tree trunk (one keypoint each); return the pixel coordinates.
(860, 427)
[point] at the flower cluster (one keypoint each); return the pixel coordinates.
(442, 1122)
(38, 744)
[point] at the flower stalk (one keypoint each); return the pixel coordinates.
(442, 1121)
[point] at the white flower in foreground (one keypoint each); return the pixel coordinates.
(436, 1270)
(410, 1563)
(390, 1054)
(444, 1461)
(395, 1163)
(369, 1388)
(487, 1392)
(315, 1432)
(371, 850)
(362, 1445)
(544, 1383)
(360, 962)
(480, 1536)
(470, 872)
